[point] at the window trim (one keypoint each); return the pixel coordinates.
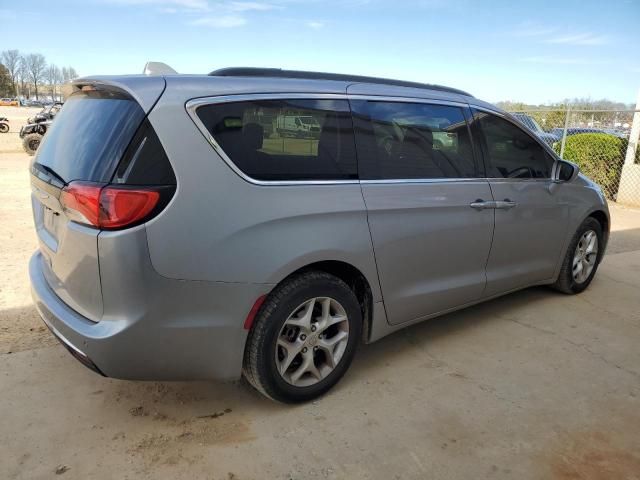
(515, 123)
(194, 104)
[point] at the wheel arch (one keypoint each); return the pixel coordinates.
(355, 280)
(603, 219)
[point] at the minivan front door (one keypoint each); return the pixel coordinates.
(419, 179)
(530, 222)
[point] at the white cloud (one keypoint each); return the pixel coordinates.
(532, 31)
(550, 60)
(246, 6)
(555, 36)
(316, 25)
(183, 4)
(579, 39)
(222, 21)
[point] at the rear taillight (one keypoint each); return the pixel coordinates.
(110, 207)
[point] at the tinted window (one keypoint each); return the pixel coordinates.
(285, 139)
(511, 152)
(89, 135)
(412, 140)
(145, 162)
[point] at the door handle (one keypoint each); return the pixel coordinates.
(482, 205)
(505, 204)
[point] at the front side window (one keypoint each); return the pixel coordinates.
(398, 140)
(285, 139)
(510, 152)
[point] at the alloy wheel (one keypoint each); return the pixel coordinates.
(312, 341)
(585, 256)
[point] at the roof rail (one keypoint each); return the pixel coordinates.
(280, 73)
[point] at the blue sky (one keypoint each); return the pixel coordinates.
(532, 51)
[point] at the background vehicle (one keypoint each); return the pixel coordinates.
(548, 137)
(47, 113)
(297, 126)
(32, 133)
(9, 102)
(33, 103)
(168, 218)
(618, 133)
(37, 126)
(4, 124)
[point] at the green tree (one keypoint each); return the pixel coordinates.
(11, 60)
(6, 87)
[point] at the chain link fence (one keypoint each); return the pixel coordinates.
(596, 140)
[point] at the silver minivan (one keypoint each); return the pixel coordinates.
(183, 235)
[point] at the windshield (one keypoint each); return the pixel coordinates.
(89, 136)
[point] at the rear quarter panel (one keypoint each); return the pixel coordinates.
(219, 227)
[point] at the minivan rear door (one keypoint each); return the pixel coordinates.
(420, 181)
(85, 143)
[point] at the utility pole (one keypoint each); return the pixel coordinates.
(633, 136)
(564, 132)
(629, 190)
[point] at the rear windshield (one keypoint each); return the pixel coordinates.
(89, 135)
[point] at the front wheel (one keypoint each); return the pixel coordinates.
(304, 338)
(31, 143)
(4, 127)
(582, 258)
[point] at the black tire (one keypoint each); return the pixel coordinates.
(4, 127)
(260, 351)
(565, 282)
(31, 143)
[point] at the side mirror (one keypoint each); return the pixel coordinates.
(564, 171)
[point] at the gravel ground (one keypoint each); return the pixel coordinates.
(534, 385)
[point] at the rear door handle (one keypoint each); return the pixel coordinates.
(505, 204)
(482, 205)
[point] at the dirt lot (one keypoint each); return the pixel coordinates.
(530, 386)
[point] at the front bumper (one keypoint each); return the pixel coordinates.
(185, 331)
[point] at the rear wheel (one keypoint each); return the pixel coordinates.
(31, 143)
(4, 127)
(304, 338)
(582, 258)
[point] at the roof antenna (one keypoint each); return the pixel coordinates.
(158, 68)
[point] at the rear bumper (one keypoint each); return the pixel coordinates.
(185, 330)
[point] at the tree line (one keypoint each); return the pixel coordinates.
(27, 75)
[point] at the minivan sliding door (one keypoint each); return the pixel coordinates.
(419, 180)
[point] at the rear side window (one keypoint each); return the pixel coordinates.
(89, 135)
(285, 139)
(398, 140)
(145, 161)
(511, 152)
